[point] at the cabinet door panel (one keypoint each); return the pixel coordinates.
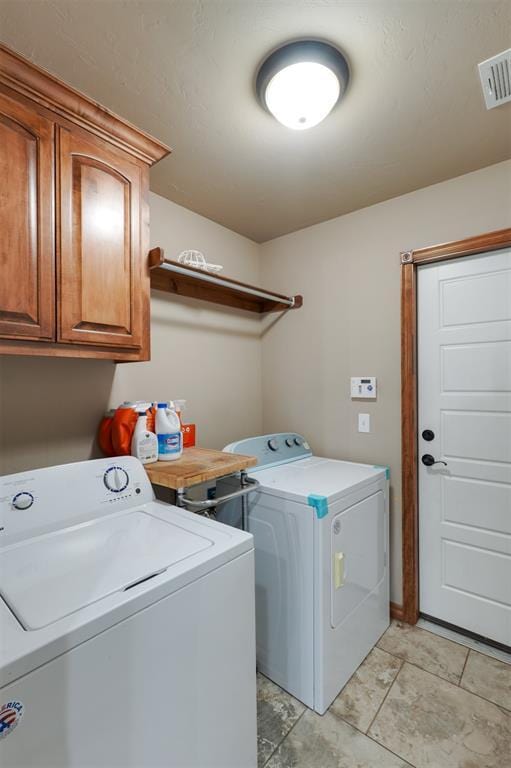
(100, 268)
(27, 257)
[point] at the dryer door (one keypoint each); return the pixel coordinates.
(358, 555)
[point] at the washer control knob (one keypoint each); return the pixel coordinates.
(298, 441)
(289, 442)
(273, 445)
(116, 479)
(22, 500)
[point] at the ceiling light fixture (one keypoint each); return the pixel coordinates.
(302, 82)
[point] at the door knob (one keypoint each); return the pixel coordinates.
(428, 460)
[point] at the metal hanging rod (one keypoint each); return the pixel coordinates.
(190, 281)
(206, 277)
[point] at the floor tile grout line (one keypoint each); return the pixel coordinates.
(464, 667)
(456, 685)
(385, 697)
(367, 735)
(396, 754)
(285, 735)
(414, 664)
(488, 701)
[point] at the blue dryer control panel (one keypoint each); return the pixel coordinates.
(272, 450)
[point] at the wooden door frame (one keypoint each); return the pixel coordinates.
(410, 260)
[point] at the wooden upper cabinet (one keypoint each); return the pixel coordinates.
(74, 221)
(99, 256)
(27, 286)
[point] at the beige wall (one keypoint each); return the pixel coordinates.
(348, 270)
(49, 408)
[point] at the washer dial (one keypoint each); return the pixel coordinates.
(22, 500)
(116, 479)
(273, 445)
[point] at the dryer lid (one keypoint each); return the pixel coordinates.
(317, 476)
(49, 577)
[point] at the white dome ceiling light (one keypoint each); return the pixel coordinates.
(302, 82)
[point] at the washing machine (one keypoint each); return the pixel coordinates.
(127, 633)
(320, 530)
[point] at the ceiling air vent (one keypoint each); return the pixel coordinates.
(495, 76)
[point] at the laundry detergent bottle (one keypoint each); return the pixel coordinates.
(123, 425)
(168, 432)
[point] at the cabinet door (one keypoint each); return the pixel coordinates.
(27, 284)
(100, 293)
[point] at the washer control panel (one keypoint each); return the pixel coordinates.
(272, 449)
(37, 502)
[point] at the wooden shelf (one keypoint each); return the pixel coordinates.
(177, 278)
(197, 465)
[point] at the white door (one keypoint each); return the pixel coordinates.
(464, 366)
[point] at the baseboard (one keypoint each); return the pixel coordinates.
(396, 611)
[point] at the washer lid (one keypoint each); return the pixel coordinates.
(51, 576)
(316, 475)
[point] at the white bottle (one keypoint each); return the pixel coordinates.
(168, 432)
(144, 444)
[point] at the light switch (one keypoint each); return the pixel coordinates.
(364, 422)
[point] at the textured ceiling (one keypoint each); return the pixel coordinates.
(413, 115)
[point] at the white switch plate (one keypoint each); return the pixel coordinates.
(364, 422)
(363, 387)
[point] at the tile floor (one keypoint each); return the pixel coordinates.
(418, 699)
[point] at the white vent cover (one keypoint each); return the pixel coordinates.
(495, 76)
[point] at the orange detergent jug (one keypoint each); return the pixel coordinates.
(116, 428)
(123, 426)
